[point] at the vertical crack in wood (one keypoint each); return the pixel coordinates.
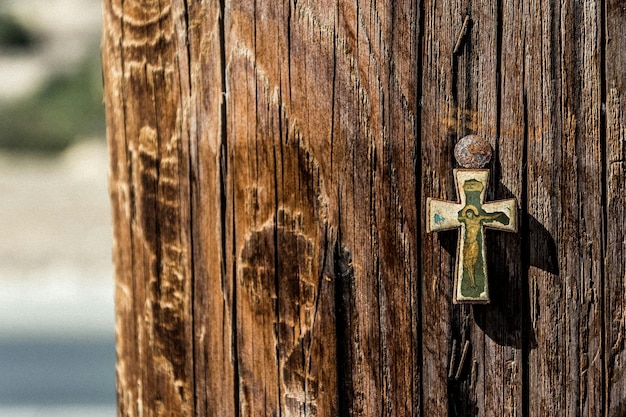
(460, 392)
(344, 305)
(223, 179)
(498, 94)
(191, 152)
(334, 91)
(525, 244)
(277, 268)
(604, 202)
(418, 409)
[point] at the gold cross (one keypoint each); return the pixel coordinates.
(471, 216)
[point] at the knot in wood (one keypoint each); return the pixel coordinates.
(472, 151)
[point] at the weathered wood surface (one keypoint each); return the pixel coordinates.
(270, 163)
(614, 285)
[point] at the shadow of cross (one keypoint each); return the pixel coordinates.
(471, 216)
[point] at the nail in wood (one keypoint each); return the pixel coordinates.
(463, 359)
(452, 354)
(461, 37)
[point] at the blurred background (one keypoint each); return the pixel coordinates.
(57, 349)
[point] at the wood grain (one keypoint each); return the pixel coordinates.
(270, 164)
(614, 91)
(565, 197)
(148, 130)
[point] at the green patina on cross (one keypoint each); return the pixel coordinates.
(471, 216)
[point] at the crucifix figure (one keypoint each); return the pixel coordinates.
(471, 216)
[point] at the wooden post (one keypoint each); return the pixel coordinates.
(270, 165)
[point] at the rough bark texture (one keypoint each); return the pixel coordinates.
(270, 163)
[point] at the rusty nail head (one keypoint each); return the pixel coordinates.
(473, 151)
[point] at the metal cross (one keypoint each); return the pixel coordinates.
(471, 216)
